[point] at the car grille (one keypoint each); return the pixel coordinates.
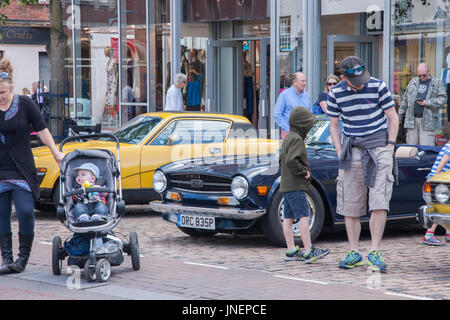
(200, 182)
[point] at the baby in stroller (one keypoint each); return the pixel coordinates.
(89, 206)
(91, 212)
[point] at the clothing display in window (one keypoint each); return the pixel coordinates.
(111, 82)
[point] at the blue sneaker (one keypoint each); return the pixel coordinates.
(352, 259)
(433, 241)
(375, 260)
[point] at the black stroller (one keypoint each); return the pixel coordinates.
(94, 245)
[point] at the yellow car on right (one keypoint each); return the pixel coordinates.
(436, 193)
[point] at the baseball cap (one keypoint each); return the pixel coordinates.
(354, 69)
(91, 167)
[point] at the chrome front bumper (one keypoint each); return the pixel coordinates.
(230, 213)
(427, 216)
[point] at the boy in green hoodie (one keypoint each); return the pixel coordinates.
(295, 181)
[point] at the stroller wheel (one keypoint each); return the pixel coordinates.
(56, 261)
(89, 272)
(134, 248)
(103, 270)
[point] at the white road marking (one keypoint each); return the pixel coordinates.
(46, 243)
(206, 265)
(389, 293)
(300, 279)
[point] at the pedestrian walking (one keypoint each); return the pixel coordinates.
(18, 178)
(370, 125)
(295, 181)
(440, 165)
(294, 96)
(420, 107)
(174, 98)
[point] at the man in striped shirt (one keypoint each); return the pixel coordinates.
(365, 151)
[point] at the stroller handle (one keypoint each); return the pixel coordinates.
(89, 136)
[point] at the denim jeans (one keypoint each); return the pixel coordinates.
(90, 209)
(24, 204)
(295, 205)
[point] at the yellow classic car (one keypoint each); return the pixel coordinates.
(153, 139)
(436, 193)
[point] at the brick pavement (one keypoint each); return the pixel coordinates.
(248, 267)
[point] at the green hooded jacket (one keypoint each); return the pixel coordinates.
(293, 158)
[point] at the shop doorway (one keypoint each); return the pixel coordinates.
(341, 46)
(237, 73)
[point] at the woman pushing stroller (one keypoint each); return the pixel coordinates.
(18, 178)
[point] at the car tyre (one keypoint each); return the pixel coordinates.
(55, 194)
(44, 207)
(272, 222)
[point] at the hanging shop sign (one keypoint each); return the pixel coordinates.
(22, 35)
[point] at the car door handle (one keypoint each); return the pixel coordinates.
(215, 150)
(423, 169)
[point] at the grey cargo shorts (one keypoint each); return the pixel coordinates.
(351, 191)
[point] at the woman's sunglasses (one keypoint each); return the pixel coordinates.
(331, 83)
(355, 69)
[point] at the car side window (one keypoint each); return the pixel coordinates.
(163, 137)
(193, 131)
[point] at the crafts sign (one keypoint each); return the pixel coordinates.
(21, 35)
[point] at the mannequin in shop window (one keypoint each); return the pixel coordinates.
(445, 78)
(111, 82)
(195, 82)
(248, 86)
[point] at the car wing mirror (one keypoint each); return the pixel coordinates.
(173, 139)
(419, 155)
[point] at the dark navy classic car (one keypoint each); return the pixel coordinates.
(242, 193)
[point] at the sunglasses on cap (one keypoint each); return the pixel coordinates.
(355, 69)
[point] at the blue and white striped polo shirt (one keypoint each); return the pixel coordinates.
(362, 112)
(444, 151)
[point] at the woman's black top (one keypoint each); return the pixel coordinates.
(16, 158)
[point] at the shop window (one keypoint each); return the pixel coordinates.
(420, 34)
(285, 34)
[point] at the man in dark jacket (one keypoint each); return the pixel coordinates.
(295, 181)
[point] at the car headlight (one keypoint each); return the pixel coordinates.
(159, 181)
(442, 193)
(239, 187)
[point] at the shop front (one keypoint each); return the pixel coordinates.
(239, 55)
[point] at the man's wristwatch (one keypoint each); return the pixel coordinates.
(390, 142)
